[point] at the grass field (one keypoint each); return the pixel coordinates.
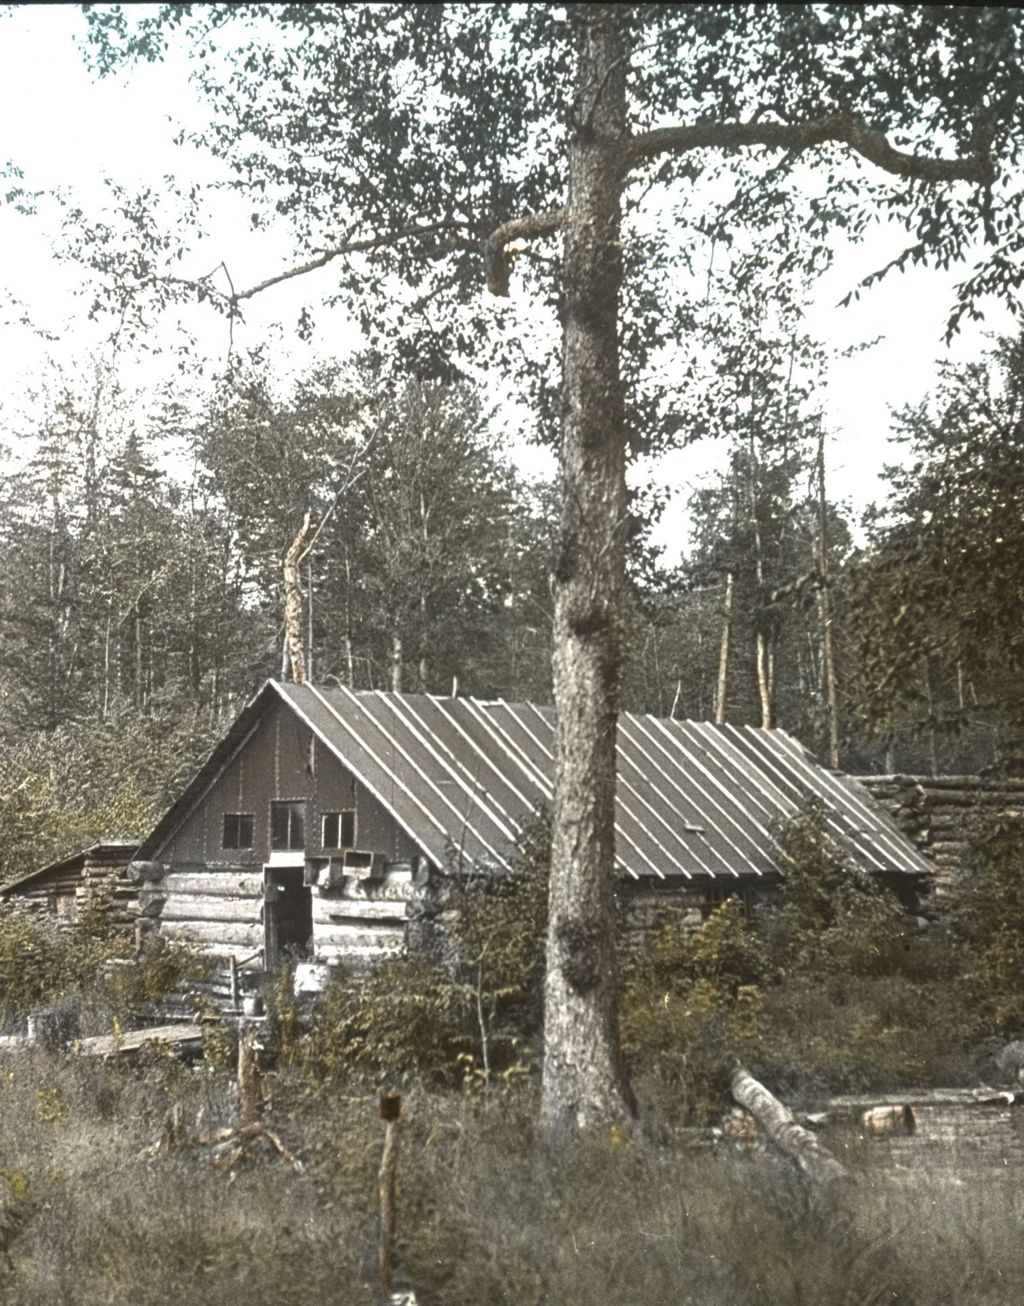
(484, 1215)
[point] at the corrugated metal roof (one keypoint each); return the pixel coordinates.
(464, 777)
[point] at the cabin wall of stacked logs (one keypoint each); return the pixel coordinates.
(937, 813)
(222, 910)
(67, 891)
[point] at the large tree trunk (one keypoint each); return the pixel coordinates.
(584, 1081)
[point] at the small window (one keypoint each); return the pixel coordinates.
(238, 828)
(339, 829)
(287, 825)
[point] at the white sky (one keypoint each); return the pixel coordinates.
(65, 129)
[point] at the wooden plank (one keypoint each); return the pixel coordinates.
(204, 907)
(216, 935)
(221, 884)
(105, 1045)
(335, 908)
(357, 936)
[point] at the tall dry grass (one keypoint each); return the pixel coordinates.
(485, 1215)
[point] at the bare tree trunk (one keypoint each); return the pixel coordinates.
(309, 617)
(933, 750)
(424, 665)
(765, 656)
(766, 680)
(106, 667)
(828, 664)
(723, 657)
(584, 1081)
(137, 687)
(294, 653)
(347, 651)
(396, 663)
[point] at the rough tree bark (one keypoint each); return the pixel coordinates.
(584, 1081)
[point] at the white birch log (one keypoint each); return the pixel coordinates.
(780, 1126)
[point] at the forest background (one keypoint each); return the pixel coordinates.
(156, 467)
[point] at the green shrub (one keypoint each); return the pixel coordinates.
(42, 961)
(833, 990)
(405, 1022)
(692, 1006)
(88, 965)
(992, 912)
(836, 919)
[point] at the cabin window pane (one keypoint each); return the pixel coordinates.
(339, 829)
(238, 829)
(287, 825)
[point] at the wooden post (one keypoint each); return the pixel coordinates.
(233, 970)
(250, 1105)
(391, 1114)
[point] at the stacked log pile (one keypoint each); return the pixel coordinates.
(105, 879)
(936, 811)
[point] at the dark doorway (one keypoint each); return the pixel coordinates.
(288, 914)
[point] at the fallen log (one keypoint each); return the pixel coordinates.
(780, 1126)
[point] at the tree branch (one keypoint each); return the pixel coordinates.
(529, 227)
(843, 128)
(348, 247)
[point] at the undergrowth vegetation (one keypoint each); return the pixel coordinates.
(834, 989)
(86, 975)
(87, 1218)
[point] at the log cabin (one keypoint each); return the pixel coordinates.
(98, 872)
(321, 826)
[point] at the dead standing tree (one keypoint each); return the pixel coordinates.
(294, 654)
(584, 1081)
